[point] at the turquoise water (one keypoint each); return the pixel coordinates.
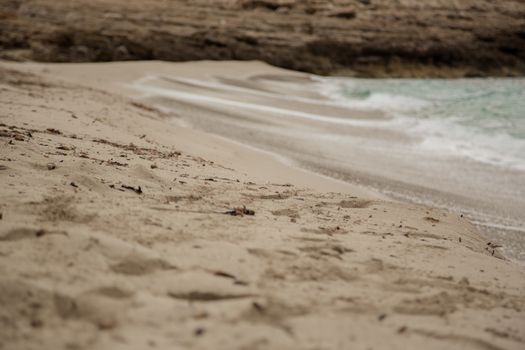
(481, 119)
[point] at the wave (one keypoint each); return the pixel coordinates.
(367, 99)
(481, 121)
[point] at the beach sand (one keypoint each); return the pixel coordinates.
(120, 228)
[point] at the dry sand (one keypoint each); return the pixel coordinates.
(115, 233)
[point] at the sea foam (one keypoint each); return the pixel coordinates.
(479, 119)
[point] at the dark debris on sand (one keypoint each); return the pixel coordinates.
(240, 212)
(137, 190)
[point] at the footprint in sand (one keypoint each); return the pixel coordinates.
(199, 286)
(37, 306)
(21, 233)
(136, 265)
(355, 203)
(291, 213)
(113, 292)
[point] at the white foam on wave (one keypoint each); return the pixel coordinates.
(441, 136)
(331, 88)
(152, 90)
(446, 137)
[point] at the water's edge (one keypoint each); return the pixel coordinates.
(309, 126)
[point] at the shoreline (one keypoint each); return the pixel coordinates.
(490, 231)
(120, 81)
(187, 88)
(241, 93)
(120, 228)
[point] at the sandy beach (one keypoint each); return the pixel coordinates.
(122, 228)
(290, 115)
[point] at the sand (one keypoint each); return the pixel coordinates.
(301, 118)
(117, 231)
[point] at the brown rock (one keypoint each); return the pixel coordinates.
(355, 37)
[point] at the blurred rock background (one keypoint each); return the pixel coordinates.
(373, 38)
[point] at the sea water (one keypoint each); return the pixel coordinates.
(481, 119)
(470, 144)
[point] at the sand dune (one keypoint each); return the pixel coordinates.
(117, 231)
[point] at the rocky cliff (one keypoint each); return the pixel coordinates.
(348, 37)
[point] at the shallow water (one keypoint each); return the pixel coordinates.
(455, 144)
